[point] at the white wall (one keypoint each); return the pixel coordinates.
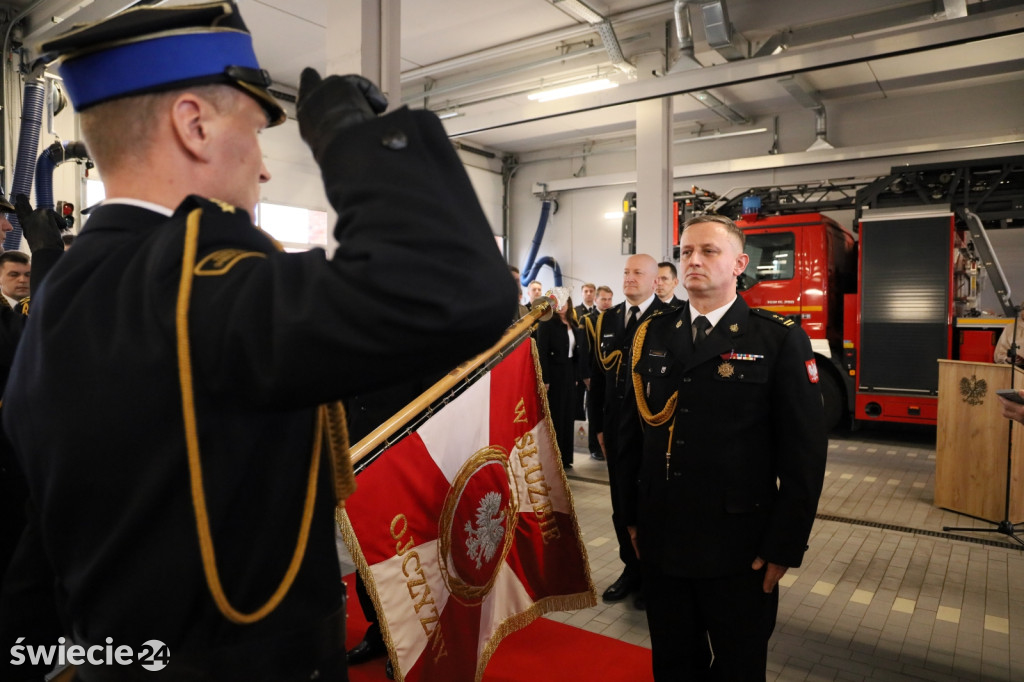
(588, 247)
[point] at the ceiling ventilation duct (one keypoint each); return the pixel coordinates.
(808, 98)
(684, 34)
(955, 8)
(720, 34)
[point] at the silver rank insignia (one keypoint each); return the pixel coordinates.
(726, 370)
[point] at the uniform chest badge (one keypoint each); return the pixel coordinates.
(726, 370)
(734, 328)
(679, 324)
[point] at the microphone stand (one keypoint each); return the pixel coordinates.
(1006, 527)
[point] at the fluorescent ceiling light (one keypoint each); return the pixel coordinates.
(718, 136)
(570, 90)
(614, 215)
(450, 114)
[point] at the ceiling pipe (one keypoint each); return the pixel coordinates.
(684, 33)
(820, 131)
(543, 40)
(805, 95)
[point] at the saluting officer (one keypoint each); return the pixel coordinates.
(188, 493)
(728, 401)
(610, 380)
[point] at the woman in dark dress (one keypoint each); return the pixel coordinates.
(564, 359)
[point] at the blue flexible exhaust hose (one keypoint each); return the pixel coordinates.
(54, 155)
(529, 272)
(28, 143)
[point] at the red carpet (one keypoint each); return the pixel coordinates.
(544, 651)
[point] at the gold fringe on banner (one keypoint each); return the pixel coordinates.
(378, 438)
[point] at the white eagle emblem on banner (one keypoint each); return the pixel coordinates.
(484, 539)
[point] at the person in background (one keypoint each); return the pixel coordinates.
(603, 301)
(189, 496)
(1008, 338)
(564, 360)
(41, 229)
(15, 277)
(666, 283)
(727, 413)
(1013, 410)
(587, 306)
(586, 314)
(521, 309)
(533, 291)
(609, 384)
(42, 233)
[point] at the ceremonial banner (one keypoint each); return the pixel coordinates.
(464, 530)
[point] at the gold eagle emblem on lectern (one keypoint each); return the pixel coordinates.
(973, 390)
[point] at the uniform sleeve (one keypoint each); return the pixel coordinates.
(597, 388)
(800, 446)
(543, 338)
(583, 354)
(417, 283)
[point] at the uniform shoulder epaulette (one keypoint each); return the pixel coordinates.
(773, 316)
(210, 207)
(661, 312)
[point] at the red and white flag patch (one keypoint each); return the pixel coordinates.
(812, 371)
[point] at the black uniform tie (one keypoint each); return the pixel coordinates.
(634, 315)
(701, 325)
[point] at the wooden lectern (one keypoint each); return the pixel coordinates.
(972, 441)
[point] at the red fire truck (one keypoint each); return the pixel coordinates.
(882, 308)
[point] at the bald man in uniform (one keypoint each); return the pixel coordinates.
(608, 384)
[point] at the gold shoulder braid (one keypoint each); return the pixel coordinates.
(638, 383)
(613, 359)
(330, 422)
(669, 411)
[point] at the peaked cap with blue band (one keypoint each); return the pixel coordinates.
(154, 49)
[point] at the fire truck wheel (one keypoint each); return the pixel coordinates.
(832, 399)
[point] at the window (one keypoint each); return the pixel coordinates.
(95, 192)
(298, 229)
(771, 258)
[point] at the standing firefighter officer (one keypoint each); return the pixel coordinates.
(172, 402)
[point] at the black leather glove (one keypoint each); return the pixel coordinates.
(41, 226)
(326, 107)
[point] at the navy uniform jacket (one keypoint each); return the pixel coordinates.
(740, 423)
(94, 408)
(609, 375)
(553, 352)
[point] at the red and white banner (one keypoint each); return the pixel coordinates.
(464, 531)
